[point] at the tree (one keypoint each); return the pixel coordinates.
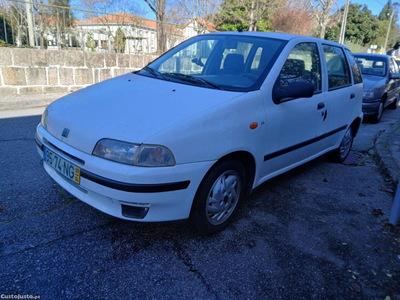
(255, 15)
(322, 12)
(5, 30)
(53, 18)
(41, 11)
(386, 11)
(62, 17)
(361, 26)
(16, 14)
(120, 41)
(159, 7)
(296, 18)
(182, 11)
(389, 18)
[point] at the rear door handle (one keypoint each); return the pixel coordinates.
(321, 105)
(352, 95)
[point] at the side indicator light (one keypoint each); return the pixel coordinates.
(253, 125)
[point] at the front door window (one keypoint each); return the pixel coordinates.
(302, 65)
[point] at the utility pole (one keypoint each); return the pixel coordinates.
(30, 24)
(390, 25)
(344, 21)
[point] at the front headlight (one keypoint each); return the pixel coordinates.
(155, 156)
(44, 119)
(116, 150)
(369, 95)
(134, 154)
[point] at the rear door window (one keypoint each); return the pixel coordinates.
(338, 69)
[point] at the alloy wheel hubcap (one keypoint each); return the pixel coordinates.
(223, 197)
(346, 144)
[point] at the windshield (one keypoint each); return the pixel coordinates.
(228, 62)
(372, 65)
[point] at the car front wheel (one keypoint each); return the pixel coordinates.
(218, 197)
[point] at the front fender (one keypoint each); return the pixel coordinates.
(219, 131)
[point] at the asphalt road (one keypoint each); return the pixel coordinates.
(317, 232)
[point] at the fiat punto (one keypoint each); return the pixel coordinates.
(195, 131)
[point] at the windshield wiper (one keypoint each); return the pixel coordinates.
(193, 79)
(154, 72)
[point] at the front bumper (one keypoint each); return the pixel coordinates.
(127, 192)
(371, 107)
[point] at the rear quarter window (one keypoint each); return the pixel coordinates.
(354, 68)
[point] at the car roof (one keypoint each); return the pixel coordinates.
(273, 35)
(372, 55)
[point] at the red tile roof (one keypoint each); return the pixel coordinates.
(210, 26)
(119, 18)
(125, 18)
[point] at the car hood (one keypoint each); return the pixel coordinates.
(129, 108)
(371, 81)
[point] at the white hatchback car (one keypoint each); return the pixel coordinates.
(195, 131)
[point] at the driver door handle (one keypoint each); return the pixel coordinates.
(321, 105)
(352, 95)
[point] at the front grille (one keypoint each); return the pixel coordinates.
(81, 161)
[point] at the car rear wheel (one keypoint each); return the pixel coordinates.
(218, 197)
(376, 118)
(341, 153)
(394, 104)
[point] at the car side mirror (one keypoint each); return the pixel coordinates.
(300, 89)
(394, 76)
(198, 62)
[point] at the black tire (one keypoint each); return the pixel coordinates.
(394, 104)
(376, 118)
(341, 153)
(205, 222)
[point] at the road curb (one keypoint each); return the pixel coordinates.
(384, 154)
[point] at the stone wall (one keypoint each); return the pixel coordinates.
(34, 71)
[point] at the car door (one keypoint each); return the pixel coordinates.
(393, 84)
(341, 96)
(397, 71)
(292, 125)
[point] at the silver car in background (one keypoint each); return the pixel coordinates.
(381, 84)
